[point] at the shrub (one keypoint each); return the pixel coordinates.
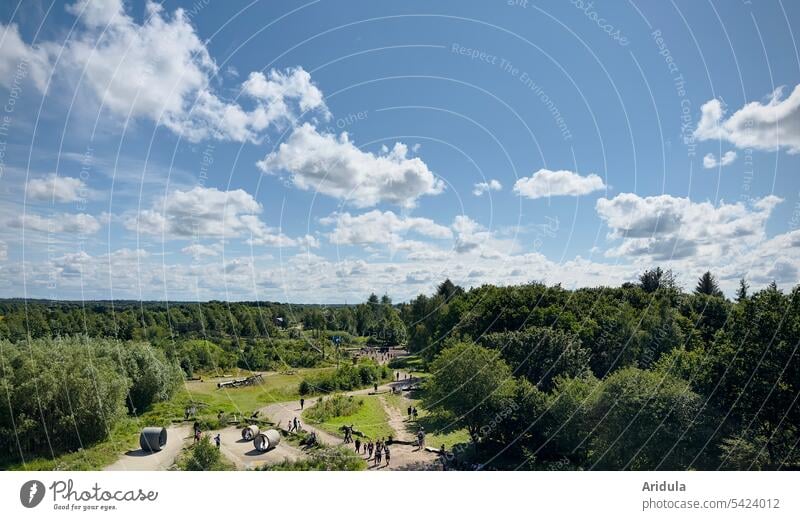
(204, 456)
(336, 458)
(336, 406)
(344, 378)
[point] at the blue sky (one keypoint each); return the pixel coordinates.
(320, 151)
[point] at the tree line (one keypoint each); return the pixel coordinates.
(643, 376)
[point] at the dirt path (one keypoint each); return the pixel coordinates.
(404, 456)
(244, 456)
(140, 460)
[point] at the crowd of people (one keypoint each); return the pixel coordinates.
(376, 451)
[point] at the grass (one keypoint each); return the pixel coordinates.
(210, 401)
(335, 406)
(370, 419)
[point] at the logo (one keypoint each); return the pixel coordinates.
(31, 493)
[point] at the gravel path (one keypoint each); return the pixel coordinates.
(406, 457)
(140, 460)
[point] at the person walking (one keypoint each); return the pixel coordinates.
(414, 413)
(296, 425)
(302, 403)
(409, 413)
(369, 450)
(358, 445)
(388, 454)
(217, 440)
(378, 455)
(375, 386)
(421, 438)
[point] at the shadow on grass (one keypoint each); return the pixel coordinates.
(438, 423)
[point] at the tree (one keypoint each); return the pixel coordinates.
(472, 383)
(741, 292)
(647, 422)
(540, 354)
(707, 284)
(654, 279)
(448, 289)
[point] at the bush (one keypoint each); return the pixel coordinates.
(337, 406)
(204, 456)
(336, 458)
(347, 377)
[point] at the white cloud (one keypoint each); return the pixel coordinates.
(336, 167)
(211, 213)
(665, 227)
(710, 160)
(483, 187)
(470, 235)
(198, 251)
(764, 126)
(377, 227)
(277, 87)
(3, 251)
(161, 70)
(57, 188)
(78, 223)
(547, 183)
(19, 61)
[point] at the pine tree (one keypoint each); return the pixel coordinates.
(741, 293)
(708, 285)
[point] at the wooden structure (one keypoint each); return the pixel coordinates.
(247, 381)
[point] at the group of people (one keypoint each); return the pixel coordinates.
(379, 449)
(198, 434)
(348, 435)
(412, 413)
(294, 426)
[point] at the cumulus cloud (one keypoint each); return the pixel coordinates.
(380, 227)
(68, 223)
(484, 187)
(57, 188)
(210, 213)
(547, 183)
(765, 126)
(334, 166)
(19, 61)
(198, 251)
(470, 235)
(161, 70)
(710, 160)
(665, 227)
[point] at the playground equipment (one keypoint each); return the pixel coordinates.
(153, 438)
(267, 440)
(250, 432)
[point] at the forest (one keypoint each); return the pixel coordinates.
(646, 376)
